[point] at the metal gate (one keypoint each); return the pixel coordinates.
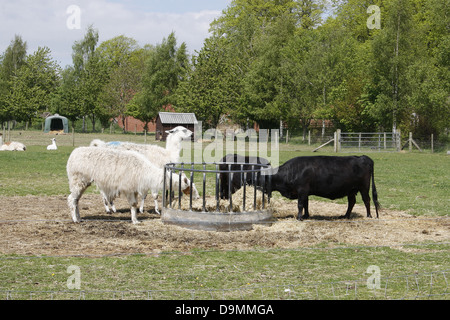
(365, 141)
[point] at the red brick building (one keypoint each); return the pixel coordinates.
(135, 125)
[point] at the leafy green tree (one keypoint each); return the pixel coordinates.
(33, 85)
(10, 63)
(253, 34)
(125, 62)
(429, 75)
(65, 99)
(265, 85)
(164, 69)
(208, 89)
(91, 74)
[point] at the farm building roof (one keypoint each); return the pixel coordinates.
(179, 118)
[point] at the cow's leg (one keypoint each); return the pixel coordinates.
(305, 208)
(223, 186)
(302, 204)
(351, 204)
(366, 198)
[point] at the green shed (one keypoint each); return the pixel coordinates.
(56, 123)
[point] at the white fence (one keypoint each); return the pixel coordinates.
(364, 141)
(381, 142)
(375, 141)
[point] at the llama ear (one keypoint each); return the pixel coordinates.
(186, 180)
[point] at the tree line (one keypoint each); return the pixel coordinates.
(264, 61)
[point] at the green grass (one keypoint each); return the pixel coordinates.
(34, 172)
(256, 274)
(416, 182)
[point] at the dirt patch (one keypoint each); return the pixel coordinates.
(42, 226)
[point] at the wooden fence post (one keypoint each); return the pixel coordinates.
(359, 142)
(335, 141)
(410, 142)
(432, 143)
(338, 138)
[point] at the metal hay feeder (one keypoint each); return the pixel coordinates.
(218, 212)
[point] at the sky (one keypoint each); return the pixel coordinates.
(57, 24)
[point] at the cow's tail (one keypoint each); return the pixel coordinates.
(374, 192)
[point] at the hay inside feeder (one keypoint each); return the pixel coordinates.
(224, 204)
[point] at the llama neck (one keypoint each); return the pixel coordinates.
(173, 145)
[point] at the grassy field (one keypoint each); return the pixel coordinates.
(417, 183)
(302, 274)
(413, 182)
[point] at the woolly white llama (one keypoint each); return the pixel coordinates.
(53, 145)
(11, 146)
(157, 155)
(108, 200)
(114, 172)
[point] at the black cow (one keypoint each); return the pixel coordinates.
(238, 178)
(328, 177)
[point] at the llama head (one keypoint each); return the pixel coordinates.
(179, 133)
(97, 143)
(185, 185)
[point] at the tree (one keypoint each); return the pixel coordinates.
(265, 82)
(33, 85)
(208, 89)
(125, 62)
(65, 99)
(429, 75)
(90, 75)
(164, 69)
(10, 63)
(393, 54)
(253, 34)
(14, 56)
(306, 70)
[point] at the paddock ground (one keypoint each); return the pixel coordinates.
(41, 225)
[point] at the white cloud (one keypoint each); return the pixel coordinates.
(43, 23)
